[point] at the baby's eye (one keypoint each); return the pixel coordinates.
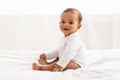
(70, 22)
(63, 21)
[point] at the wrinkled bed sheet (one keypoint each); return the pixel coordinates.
(101, 65)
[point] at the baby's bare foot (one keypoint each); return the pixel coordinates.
(42, 61)
(35, 66)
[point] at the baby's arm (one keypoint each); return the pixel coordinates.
(53, 54)
(54, 61)
(44, 57)
(68, 52)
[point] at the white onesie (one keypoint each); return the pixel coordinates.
(73, 49)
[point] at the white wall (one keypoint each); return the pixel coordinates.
(41, 32)
(28, 32)
(54, 7)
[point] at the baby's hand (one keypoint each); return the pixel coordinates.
(58, 68)
(42, 59)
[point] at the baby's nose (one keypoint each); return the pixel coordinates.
(66, 24)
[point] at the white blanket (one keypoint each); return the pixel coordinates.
(102, 65)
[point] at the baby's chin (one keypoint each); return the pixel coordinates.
(67, 34)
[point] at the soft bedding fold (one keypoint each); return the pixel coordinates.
(102, 65)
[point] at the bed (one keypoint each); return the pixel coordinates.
(102, 65)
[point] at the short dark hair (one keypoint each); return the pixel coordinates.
(73, 10)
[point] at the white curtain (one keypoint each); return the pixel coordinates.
(41, 32)
(103, 31)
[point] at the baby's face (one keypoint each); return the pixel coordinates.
(69, 23)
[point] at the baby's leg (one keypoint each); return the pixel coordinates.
(44, 62)
(54, 61)
(72, 65)
(45, 68)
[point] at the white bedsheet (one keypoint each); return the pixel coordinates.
(102, 65)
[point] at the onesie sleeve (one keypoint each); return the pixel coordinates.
(52, 54)
(72, 44)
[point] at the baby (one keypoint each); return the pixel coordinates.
(70, 54)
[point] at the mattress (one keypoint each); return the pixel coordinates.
(101, 65)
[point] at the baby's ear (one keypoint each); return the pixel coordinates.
(79, 26)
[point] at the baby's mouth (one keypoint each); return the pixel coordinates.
(66, 29)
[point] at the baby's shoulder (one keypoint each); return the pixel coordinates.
(73, 38)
